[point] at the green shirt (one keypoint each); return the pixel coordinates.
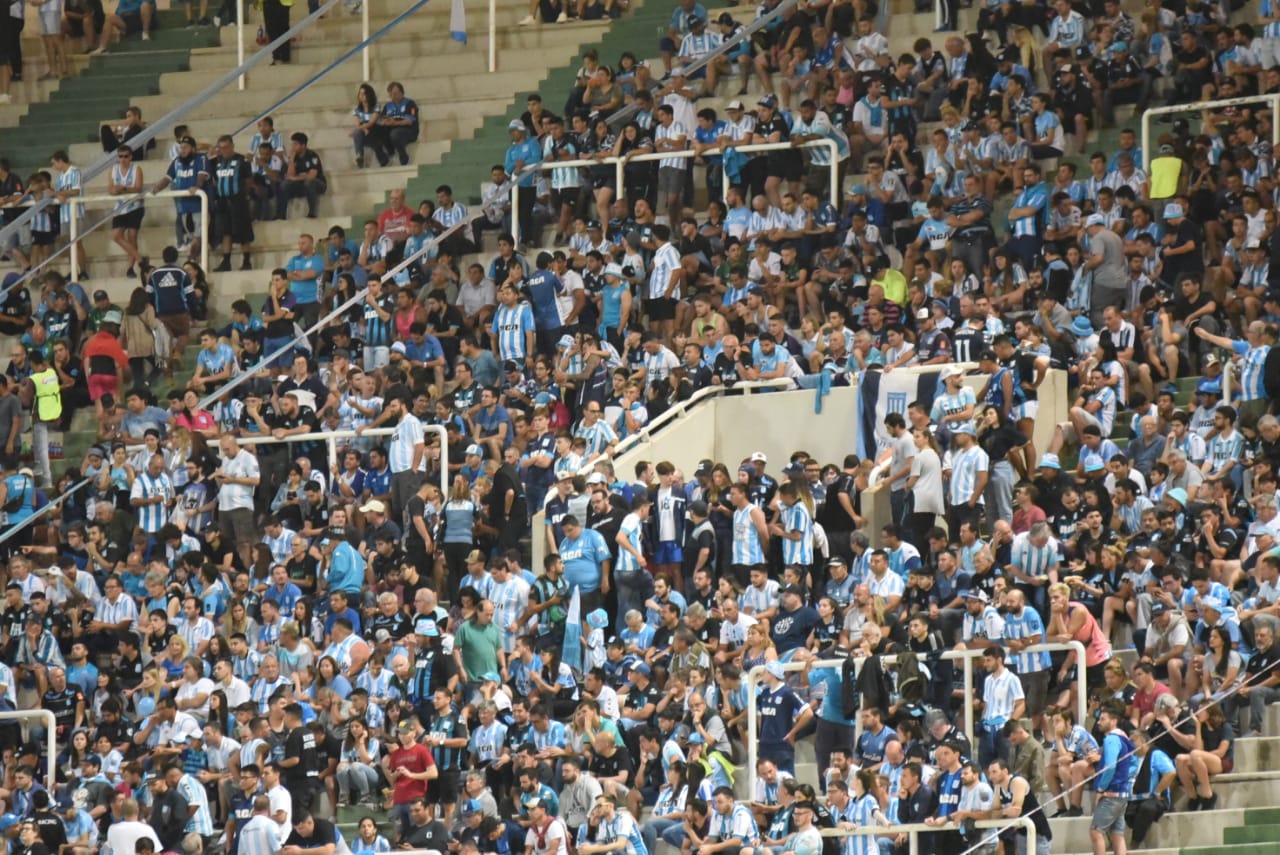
(479, 646)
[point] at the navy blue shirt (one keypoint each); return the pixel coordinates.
(543, 287)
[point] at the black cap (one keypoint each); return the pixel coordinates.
(726, 19)
(696, 21)
(100, 295)
(699, 507)
(510, 365)
(791, 589)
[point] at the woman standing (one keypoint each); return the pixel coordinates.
(925, 486)
(1070, 621)
(1000, 442)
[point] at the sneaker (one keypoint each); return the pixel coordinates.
(225, 266)
(217, 20)
(146, 36)
(185, 247)
(99, 51)
(360, 162)
(528, 21)
(562, 17)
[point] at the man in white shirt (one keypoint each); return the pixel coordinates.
(281, 803)
(124, 835)
(237, 478)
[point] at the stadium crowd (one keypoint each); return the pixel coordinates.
(236, 639)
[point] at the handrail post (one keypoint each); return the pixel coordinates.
(1146, 141)
(619, 181)
(50, 728)
(515, 209)
(204, 231)
(493, 36)
(835, 177)
(753, 749)
(240, 81)
(913, 844)
(364, 37)
(1082, 702)
(968, 693)
(72, 237)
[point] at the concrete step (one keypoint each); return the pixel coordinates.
(1251, 834)
(445, 85)
(325, 101)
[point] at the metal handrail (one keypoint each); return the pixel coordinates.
(152, 130)
(50, 729)
(622, 114)
(1272, 97)
(619, 164)
(331, 437)
(967, 656)
(913, 829)
(74, 221)
(671, 414)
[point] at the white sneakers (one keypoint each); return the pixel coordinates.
(528, 21)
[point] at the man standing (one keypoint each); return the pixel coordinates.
(1110, 270)
(782, 716)
(405, 454)
(1114, 781)
(523, 152)
(902, 450)
(1002, 700)
(301, 764)
(303, 272)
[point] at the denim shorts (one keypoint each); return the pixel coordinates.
(1108, 815)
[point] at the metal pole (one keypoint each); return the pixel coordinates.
(240, 82)
(619, 167)
(968, 693)
(493, 36)
(50, 728)
(1146, 144)
(204, 229)
(913, 844)
(75, 256)
(1082, 703)
(364, 37)
(835, 175)
(515, 209)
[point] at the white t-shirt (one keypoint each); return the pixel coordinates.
(187, 691)
(237, 496)
(549, 840)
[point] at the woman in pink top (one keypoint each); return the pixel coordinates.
(1070, 621)
(193, 418)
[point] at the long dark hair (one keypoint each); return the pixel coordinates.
(138, 302)
(372, 96)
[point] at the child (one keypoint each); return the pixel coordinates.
(594, 650)
(44, 228)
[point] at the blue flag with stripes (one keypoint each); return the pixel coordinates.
(880, 394)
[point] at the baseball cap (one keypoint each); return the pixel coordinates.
(725, 19)
(510, 365)
(1094, 220)
(490, 677)
(963, 427)
(373, 506)
(428, 628)
(952, 371)
(475, 449)
(767, 101)
(475, 556)
(537, 802)
(1158, 609)
(100, 295)
(1166, 149)
(1209, 387)
(735, 104)
(597, 478)
(613, 269)
(469, 807)
(565, 341)
(564, 475)
(641, 668)
(1173, 211)
(1212, 602)
(922, 314)
(775, 668)
(976, 594)
(381, 636)
(1093, 463)
(759, 457)
(1049, 460)
(516, 125)
(398, 347)
(1178, 494)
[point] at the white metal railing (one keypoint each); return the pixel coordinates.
(74, 224)
(620, 163)
(331, 437)
(1273, 98)
(645, 434)
(913, 830)
(50, 730)
(967, 656)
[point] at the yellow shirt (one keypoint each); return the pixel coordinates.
(1165, 172)
(894, 285)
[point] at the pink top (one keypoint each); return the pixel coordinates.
(1096, 647)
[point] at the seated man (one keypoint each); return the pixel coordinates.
(131, 16)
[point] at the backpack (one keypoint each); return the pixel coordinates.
(13, 503)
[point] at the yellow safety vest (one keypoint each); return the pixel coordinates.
(48, 406)
(1165, 172)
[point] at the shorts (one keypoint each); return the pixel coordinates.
(1069, 430)
(236, 525)
(564, 196)
(130, 220)
(44, 238)
(671, 180)
(102, 384)
(668, 552)
(1026, 410)
(1035, 689)
(51, 19)
(661, 308)
(232, 219)
(179, 326)
(443, 789)
(132, 23)
(787, 165)
(1108, 815)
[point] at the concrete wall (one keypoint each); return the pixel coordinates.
(729, 428)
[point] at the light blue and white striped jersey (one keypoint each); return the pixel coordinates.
(755, 600)
(408, 436)
(989, 626)
(200, 822)
(377, 687)
(821, 126)
(1031, 197)
(562, 177)
(797, 518)
(510, 599)
(64, 182)
(146, 486)
(125, 178)
(676, 133)
(694, 47)
(483, 583)
(965, 466)
(194, 634)
(1033, 560)
(1106, 415)
(1068, 31)
(947, 404)
(739, 823)
(860, 812)
(246, 667)
(1251, 376)
(1000, 693)
(275, 139)
(1026, 625)
(450, 216)
(262, 691)
(598, 436)
(888, 585)
(510, 323)
(486, 742)
(124, 608)
(633, 529)
(665, 261)
(747, 548)
(280, 546)
(1131, 514)
(1270, 30)
(553, 737)
(1226, 447)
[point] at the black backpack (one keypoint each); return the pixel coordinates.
(13, 503)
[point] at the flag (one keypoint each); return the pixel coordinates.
(458, 22)
(572, 651)
(880, 394)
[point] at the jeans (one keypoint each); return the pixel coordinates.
(633, 590)
(310, 188)
(655, 828)
(1259, 697)
(356, 780)
(898, 504)
(40, 452)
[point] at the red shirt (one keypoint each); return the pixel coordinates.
(416, 758)
(1147, 703)
(395, 224)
